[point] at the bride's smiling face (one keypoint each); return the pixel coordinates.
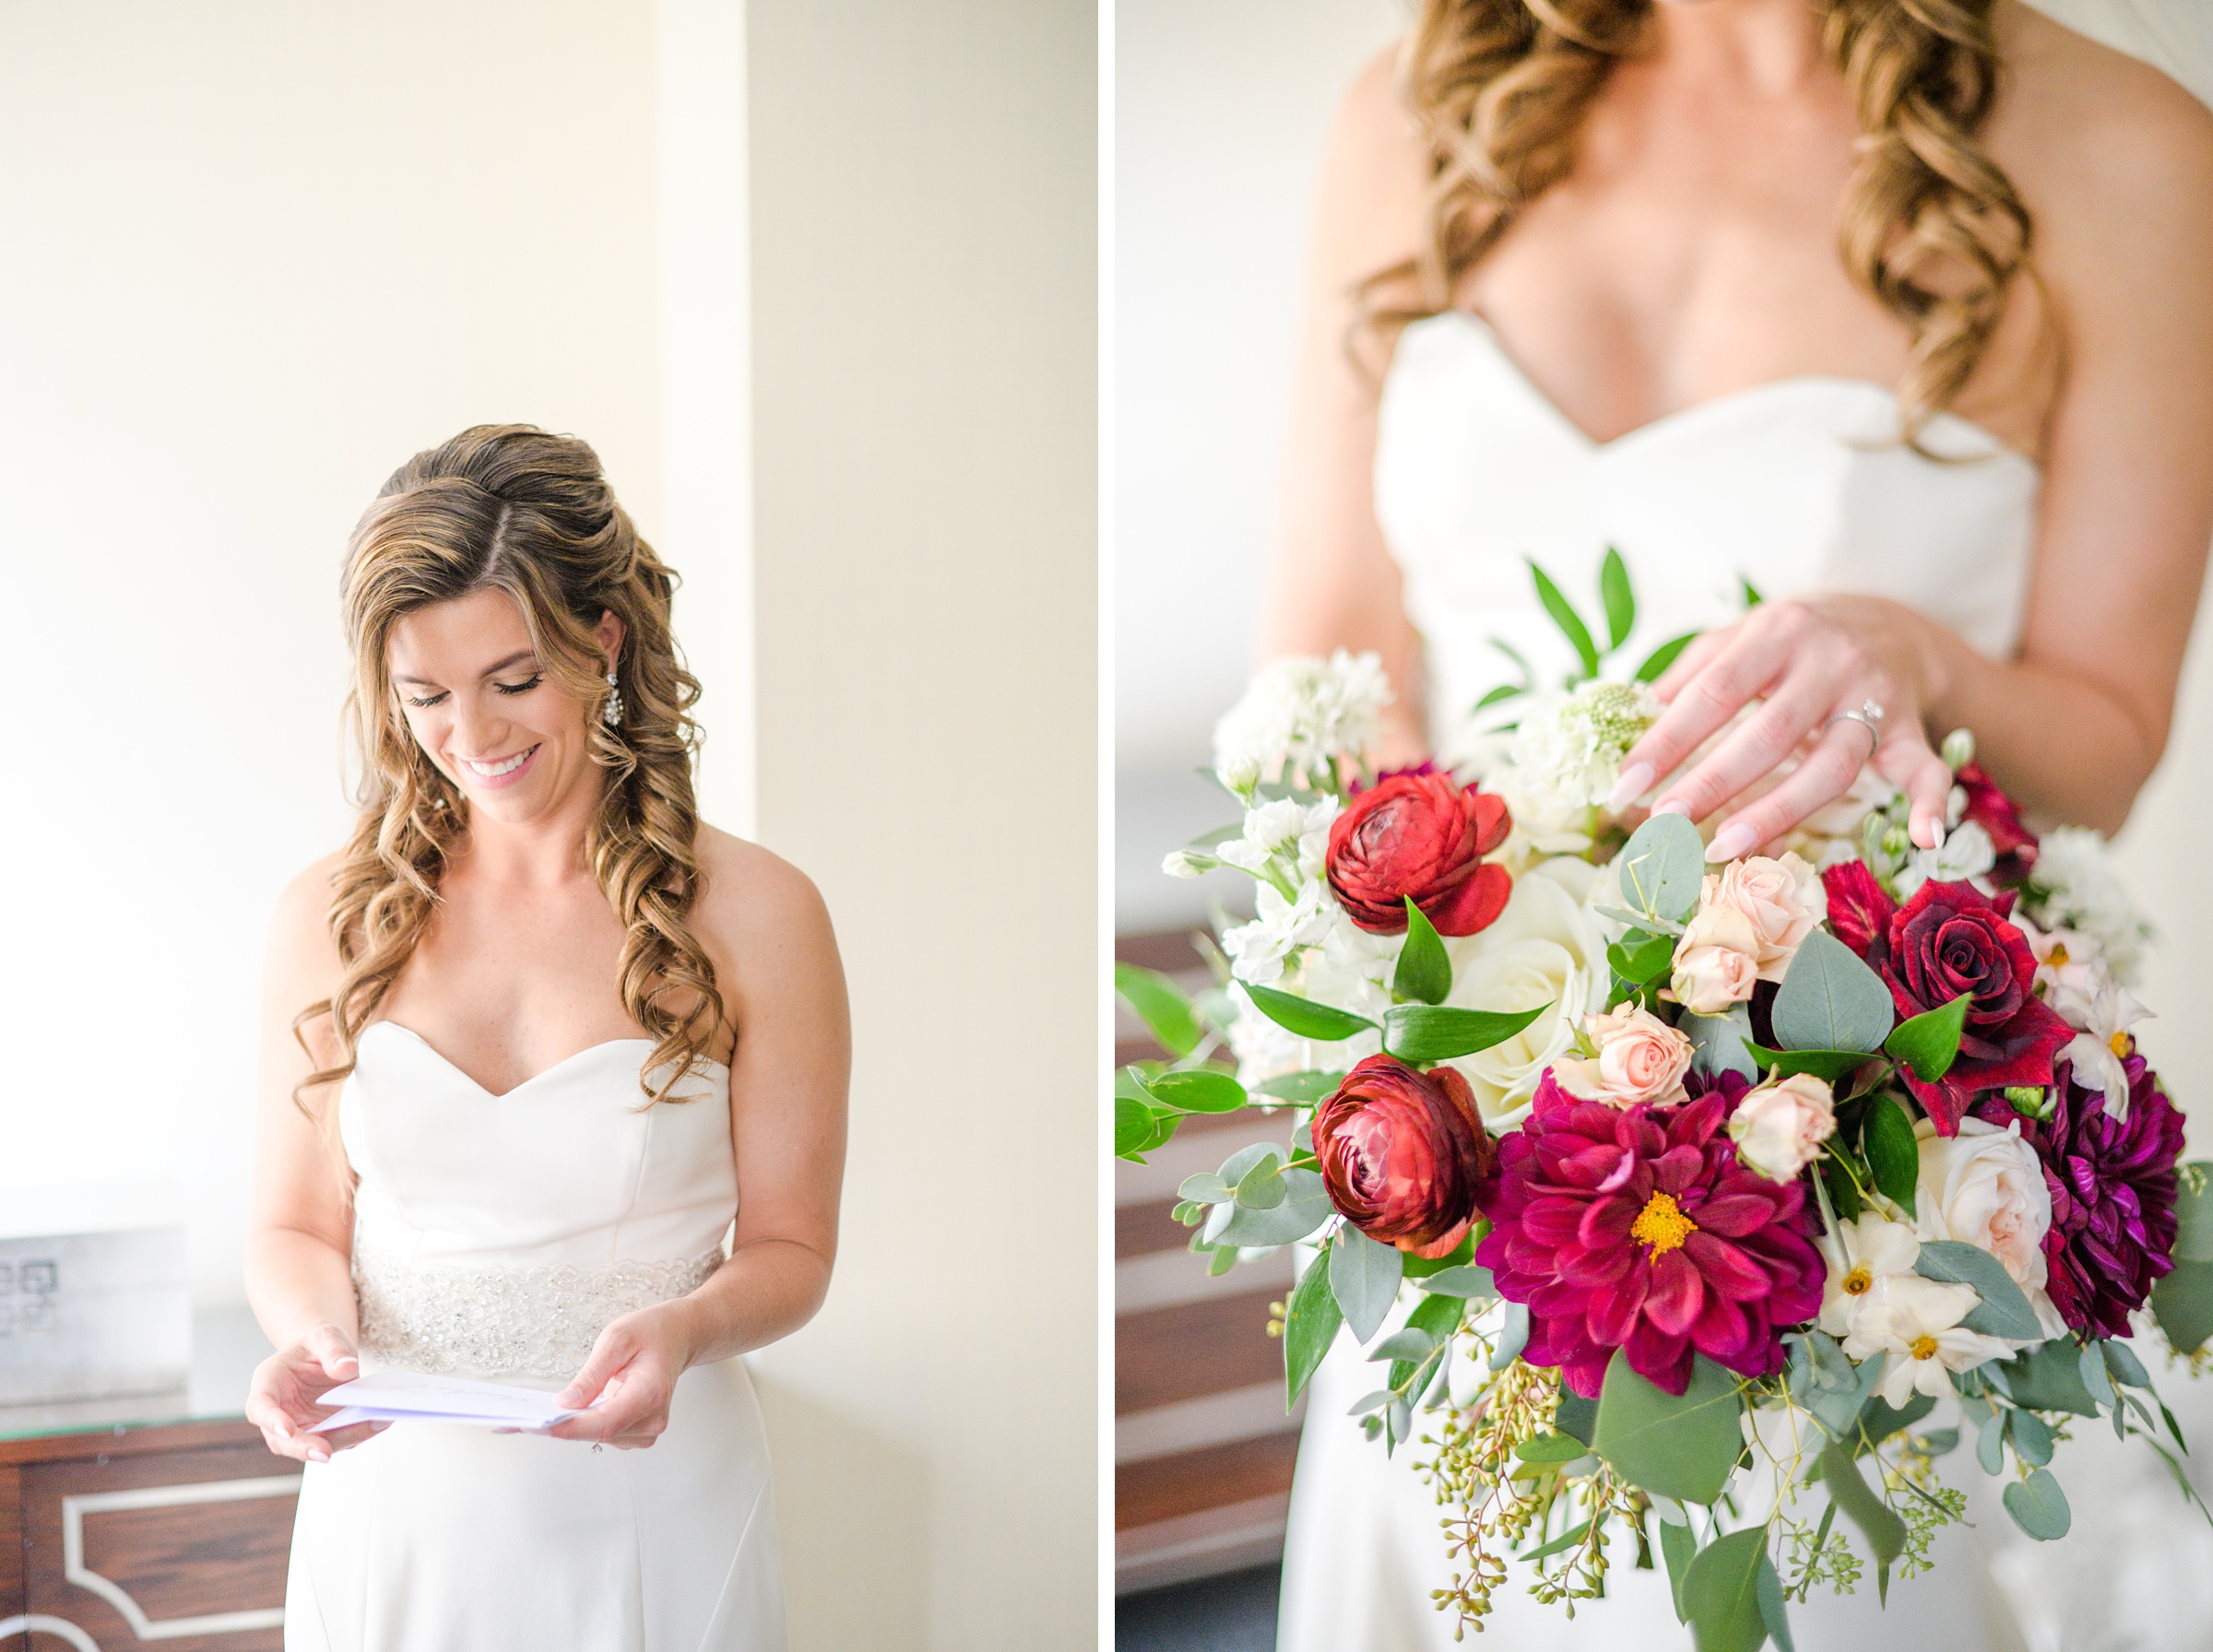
(480, 704)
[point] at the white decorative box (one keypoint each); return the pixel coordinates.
(94, 1296)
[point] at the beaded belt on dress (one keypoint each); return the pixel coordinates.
(443, 1318)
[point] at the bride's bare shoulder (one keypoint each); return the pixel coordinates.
(303, 954)
(1373, 198)
(754, 903)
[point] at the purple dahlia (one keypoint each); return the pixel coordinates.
(1637, 1229)
(2112, 1195)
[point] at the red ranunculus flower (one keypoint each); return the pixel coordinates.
(1641, 1230)
(1952, 939)
(1424, 836)
(1401, 1151)
(1993, 811)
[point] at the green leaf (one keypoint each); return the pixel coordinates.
(1436, 1317)
(1719, 1044)
(1261, 1188)
(1198, 1089)
(1465, 1282)
(1830, 1065)
(1772, 1612)
(1305, 1017)
(1886, 1533)
(1881, 1420)
(1406, 1344)
(1422, 1267)
(1565, 1540)
(1552, 1449)
(1310, 1322)
(1841, 1193)
(2193, 1222)
(1683, 1447)
(1678, 1547)
(1571, 622)
(1721, 1593)
(2039, 1507)
(1620, 601)
(1752, 597)
(2090, 1365)
(1660, 658)
(1513, 1336)
(2183, 1304)
(1425, 972)
(1576, 1415)
(2120, 1360)
(1364, 1277)
(2032, 1438)
(1830, 1000)
(1300, 1087)
(1661, 868)
(1432, 1033)
(1504, 691)
(1929, 1042)
(1306, 1206)
(2047, 1377)
(1132, 1126)
(1638, 957)
(1164, 1007)
(1892, 1152)
(2003, 1311)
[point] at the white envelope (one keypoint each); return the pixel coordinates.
(410, 1396)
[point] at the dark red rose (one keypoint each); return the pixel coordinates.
(1401, 1151)
(1993, 811)
(1424, 836)
(1952, 939)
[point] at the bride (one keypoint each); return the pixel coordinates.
(1897, 311)
(531, 1041)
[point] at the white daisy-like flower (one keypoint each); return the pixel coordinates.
(1917, 1325)
(1570, 745)
(1965, 853)
(2072, 887)
(1863, 1255)
(1301, 710)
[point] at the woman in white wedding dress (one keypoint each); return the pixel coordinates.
(1678, 278)
(553, 1093)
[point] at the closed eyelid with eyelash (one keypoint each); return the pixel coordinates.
(502, 688)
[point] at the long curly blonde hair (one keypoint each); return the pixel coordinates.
(1931, 228)
(512, 508)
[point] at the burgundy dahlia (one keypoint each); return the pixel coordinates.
(2112, 1196)
(1637, 1229)
(1952, 939)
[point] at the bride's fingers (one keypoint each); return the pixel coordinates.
(1691, 661)
(1751, 752)
(1825, 775)
(1739, 670)
(1906, 761)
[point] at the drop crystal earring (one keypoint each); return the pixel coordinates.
(613, 713)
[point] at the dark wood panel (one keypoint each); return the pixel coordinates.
(11, 1555)
(1141, 1230)
(121, 1441)
(179, 1561)
(1193, 1350)
(1161, 1488)
(1170, 951)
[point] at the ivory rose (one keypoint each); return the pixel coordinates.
(1544, 953)
(1781, 898)
(1779, 1125)
(1641, 1058)
(1986, 1185)
(1716, 962)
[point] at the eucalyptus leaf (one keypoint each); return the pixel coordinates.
(1465, 1281)
(1881, 1420)
(2120, 1360)
(1305, 1208)
(1436, 1317)
(1678, 1547)
(1720, 1044)
(1513, 1337)
(1893, 1154)
(1571, 622)
(1407, 1344)
(1305, 1017)
(2091, 1365)
(1369, 1402)
(1662, 870)
(1721, 1593)
(1261, 1188)
(1161, 1005)
(1885, 1531)
(1576, 1415)
(1424, 971)
(1310, 1322)
(2032, 1438)
(1431, 1032)
(1830, 1000)
(1827, 1065)
(1639, 920)
(2194, 1219)
(1772, 1612)
(1551, 1448)
(1682, 1445)
(1639, 957)
(1929, 1043)
(1364, 1277)
(1990, 1443)
(1206, 1188)
(2182, 1302)
(2044, 1379)
(2039, 1507)
(2003, 1311)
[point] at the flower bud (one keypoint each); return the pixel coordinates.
(2031, 1101)
(1958, 749)
(1182, 863)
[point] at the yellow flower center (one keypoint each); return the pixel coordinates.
(2058, 956)
(2120, 1042)
(1924, 1348)
(1859, 1281)
(1661, 1226)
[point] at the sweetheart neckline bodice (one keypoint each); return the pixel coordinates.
(500, 1095)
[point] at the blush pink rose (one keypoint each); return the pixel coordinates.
(1641, 1058)
(1717, 961)
(1779, 1125)
(1782, 899)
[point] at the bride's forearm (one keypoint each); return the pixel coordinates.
(767, 1289)
(296, 1281)
(2072, 751)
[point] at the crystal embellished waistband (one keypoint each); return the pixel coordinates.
(444, 1317)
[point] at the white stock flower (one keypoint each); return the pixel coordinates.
(1544, 824)
(1916, 1324)
(2072, 887)
(1985, 1187)
(1263, 1049)
(1258, 950)
(1303, 710)
(1182, 863)
(1862, 1255)
(1570, 745)
(1271, 830)
(1966, 852)
(1544, 950)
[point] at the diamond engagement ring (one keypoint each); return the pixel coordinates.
(1869, 716)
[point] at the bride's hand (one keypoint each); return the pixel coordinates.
(629, 1380)
(1809, 661)
(285, 1398)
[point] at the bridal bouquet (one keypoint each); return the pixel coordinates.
(1670, 1199)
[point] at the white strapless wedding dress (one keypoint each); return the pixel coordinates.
(1796, 486)
(494, 1237)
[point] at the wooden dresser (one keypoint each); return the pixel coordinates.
(155, 1520)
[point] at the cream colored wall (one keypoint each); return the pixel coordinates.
(258, 252)
(924, 344)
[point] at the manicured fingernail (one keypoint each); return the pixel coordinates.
(1673, 805)
(1729, 842)
(1635, 781)
(1935, 834)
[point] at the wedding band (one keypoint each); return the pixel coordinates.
(1869, 715)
